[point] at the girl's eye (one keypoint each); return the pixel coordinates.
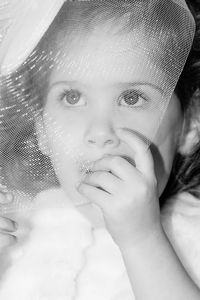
(72, 98)
(132, 98)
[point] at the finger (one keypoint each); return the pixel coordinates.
(7, 225)
(103, 179)
(142, 154)
(117, 165)
(7, 240)
(93, 194)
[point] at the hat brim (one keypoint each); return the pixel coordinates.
(30, 21)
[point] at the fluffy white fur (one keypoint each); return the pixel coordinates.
(62, 256)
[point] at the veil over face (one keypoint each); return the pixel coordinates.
(63, 63)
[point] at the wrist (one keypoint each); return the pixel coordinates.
(150, 239)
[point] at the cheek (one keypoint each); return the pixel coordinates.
(64, 142)
(163, 156)
(166, 143)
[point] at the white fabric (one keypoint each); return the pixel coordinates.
(62, 255)
(181, 221)
(25, 22)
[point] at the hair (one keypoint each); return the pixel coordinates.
(23, 166)
(185, 174)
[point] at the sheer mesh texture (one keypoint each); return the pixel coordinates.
(76, 56)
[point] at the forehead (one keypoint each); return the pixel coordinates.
(104, 55)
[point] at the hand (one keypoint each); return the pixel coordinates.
(127, 195)
(7, 227)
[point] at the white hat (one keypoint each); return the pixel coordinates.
(25, 23)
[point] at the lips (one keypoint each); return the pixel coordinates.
(85, 167)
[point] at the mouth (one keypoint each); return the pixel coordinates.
(86, 166)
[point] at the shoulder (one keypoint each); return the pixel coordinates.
(184, 204)
(181, 222)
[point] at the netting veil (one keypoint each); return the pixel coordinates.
(63, 62)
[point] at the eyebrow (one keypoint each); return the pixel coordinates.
(154, 86)
(64, 82)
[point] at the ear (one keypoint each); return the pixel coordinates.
(42, 136)
(190, 135)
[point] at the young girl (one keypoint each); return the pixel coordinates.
(92, 113)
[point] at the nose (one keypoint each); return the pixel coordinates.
(101, 135)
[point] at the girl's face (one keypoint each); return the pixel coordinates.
(101, 86)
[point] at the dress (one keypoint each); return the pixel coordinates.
(181, 221)
(62, 255)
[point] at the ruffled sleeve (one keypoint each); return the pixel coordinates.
(181, 222)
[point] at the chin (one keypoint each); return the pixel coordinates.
(74, 196)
